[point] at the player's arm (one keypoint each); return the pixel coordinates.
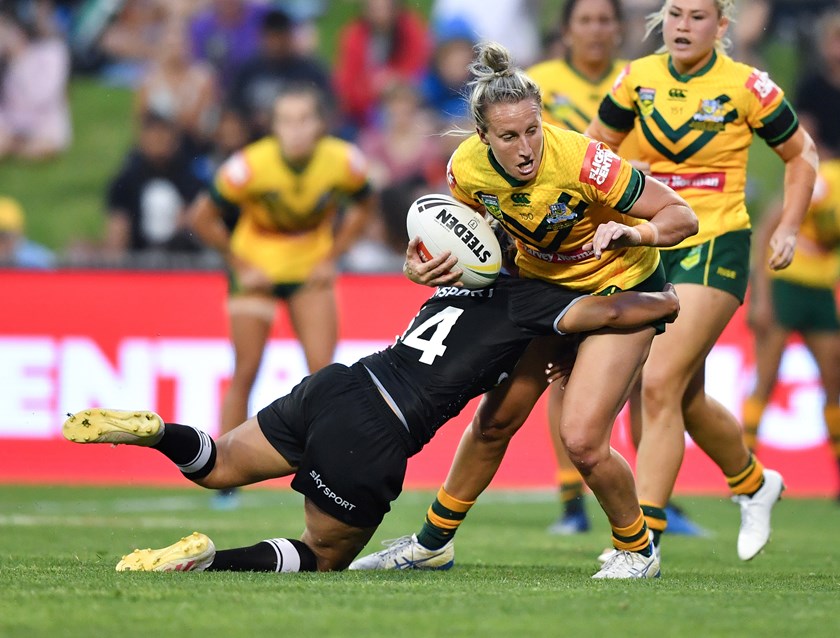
(799, 154)
(205, 218)
(623, 310)
(669, 220)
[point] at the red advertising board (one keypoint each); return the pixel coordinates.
(157, 340)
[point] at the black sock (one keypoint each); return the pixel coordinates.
(191, 449)
(272, 555)
(574, 506)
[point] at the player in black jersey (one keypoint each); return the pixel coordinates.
(346, 432)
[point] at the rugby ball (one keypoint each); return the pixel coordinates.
(443, 223)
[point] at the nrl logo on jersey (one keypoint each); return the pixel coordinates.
(646, 97)
(491, 204)
(559, 216)
(709, 116)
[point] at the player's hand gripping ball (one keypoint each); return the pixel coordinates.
(444, 224)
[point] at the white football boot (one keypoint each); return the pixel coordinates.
(113, 426)
(623, 564)
(755, 515)
(407, 553)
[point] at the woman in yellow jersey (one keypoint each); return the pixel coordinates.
(581, 217)
(801, 299)
(286, 189)
(694, 111)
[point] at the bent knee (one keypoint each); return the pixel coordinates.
(586, 454)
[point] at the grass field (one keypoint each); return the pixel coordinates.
(59, 545)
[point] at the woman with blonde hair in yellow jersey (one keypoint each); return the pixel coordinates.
(800, 299)
(286, 190)
(582, 218)
(694, 111)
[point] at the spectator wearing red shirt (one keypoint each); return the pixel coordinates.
(385, 44)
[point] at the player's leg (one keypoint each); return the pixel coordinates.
(250, 317)
(606, 367)
(500, 414)
(314, 317)
(825, 348)
(573, 518)
(674, 359)
(768, 355)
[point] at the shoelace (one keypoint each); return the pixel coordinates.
(391, 543)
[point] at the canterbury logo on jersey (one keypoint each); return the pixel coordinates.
(600, 167)
(521, 199)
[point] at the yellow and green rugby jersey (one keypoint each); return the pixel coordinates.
(696, 130)
(286, 212)
(580, 184)
(570, 100)
(816, 262)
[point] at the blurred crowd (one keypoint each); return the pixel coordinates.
(205, 74)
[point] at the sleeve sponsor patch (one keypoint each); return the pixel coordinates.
(235, 171)
(450, 176)
(600, 167)
(620, 78)
(765, 89)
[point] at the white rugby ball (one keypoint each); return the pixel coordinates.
(443, 223)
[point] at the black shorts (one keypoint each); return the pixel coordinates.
(339, 432)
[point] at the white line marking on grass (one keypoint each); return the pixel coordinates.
(27, 520)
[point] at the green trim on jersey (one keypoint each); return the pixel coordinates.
(633, 192)
(675, 135)
(780, 125)
(685, 77)
(501, 171)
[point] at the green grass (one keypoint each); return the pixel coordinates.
(59, 547)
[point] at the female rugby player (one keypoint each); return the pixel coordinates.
(286, 190)
(583, 218)
(694, 111)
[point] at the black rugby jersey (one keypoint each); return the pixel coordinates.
(461, 344)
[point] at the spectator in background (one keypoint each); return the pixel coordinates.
(131, 39)
(818, 96)
(178, 89)
(406, 155)
(15, 249)
(386, 43)
(405, 145)
(444, 87)
(34, 111)
(226, 34)
(147, 199)
(512, 23)
(260, 79)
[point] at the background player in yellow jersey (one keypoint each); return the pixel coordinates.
(581, 217)
(286, 190)
(800, 298)
(694, 111)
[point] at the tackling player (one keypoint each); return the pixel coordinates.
(285, 191)
(347, 432)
